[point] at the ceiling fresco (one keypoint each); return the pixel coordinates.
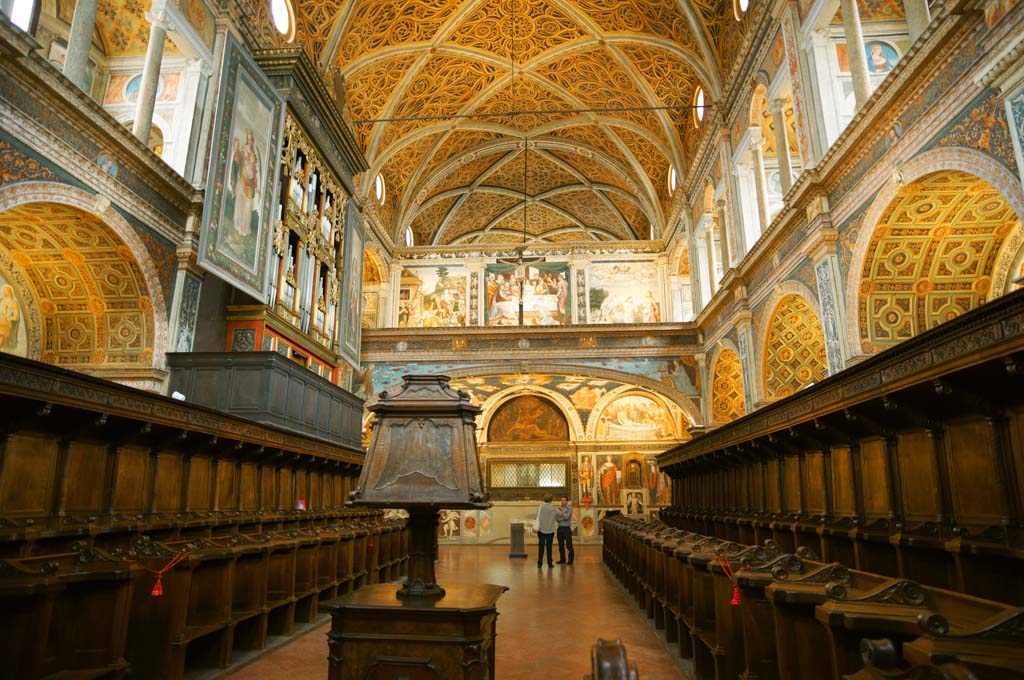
(575, 90)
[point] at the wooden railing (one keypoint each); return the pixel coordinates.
(102, 487)
(758, 612)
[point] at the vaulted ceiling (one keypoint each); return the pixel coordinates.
(577, 108)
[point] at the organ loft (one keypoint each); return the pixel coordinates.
(738, 279)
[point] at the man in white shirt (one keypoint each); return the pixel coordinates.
(547, 522)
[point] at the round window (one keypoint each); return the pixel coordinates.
(410, 241)
(283, 17)
(673, 179)
(379, 190)
(698, 106)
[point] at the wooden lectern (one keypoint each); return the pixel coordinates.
(422, 458)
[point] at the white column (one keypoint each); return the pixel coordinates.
(709, 247)
(826, 103)
(778, 108)
(756, 145)
(150, 78)
(395, 284)
(855, 51)
(748, 360)
(76, 60)
(729, 192)
(918, 17)
(723, 234)
(699, 278)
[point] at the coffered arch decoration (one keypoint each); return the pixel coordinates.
(592, 88)
(932, 256)
(991, 178)
(95, 304)
(794, 348)
(101, 306)
(727, 401)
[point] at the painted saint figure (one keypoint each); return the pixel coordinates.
(9, 316)
(609, 475)
(245, 182)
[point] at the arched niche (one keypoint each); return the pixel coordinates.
(527, 418)
(629, 414)
(946, 239)
(101, 307)
(793, 350)
(727, 400)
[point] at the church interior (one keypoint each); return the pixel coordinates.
(737, 278)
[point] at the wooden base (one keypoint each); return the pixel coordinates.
(375, 634)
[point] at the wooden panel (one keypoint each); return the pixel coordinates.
(249, 491)
(287, 499)
(130, 481)
(791, 500)
(814, 474)
(844, 496)
(199, 484)
(167, 492)
(874, 467)
(86, 470)
(269, 497)
(974, 472)
(227, 482)
(774, 502)
(922, 499)
(27, 474)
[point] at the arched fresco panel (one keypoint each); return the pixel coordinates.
(635, 416)
(932, 256)
(528, 418)
(794, 348)
(727, 388)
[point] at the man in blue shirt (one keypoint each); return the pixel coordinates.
(564, 516)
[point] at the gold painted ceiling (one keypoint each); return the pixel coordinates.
(592, 154)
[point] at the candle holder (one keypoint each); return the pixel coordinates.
(422, 458)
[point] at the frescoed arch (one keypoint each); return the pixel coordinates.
(727, 401)
(793, 350)
(629, 414)
(527, 417)
(101, 306)
(944, 241)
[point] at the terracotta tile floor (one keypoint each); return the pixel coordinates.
(547, 621)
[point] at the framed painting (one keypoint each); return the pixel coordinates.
(236, 233)
(352, 285)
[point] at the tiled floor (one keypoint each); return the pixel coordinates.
(547, 621)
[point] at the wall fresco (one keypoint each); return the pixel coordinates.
(624, 292)
(527, 418)
(432, 297)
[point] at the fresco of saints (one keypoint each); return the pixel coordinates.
(245, 183)
(609, 476)
(586, 474)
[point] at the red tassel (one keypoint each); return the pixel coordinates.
(158, 587)
(735, 596)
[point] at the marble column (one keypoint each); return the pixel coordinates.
(696, 284)
(723, 234)
(395, 283)
(918, 17)
(760, 183)
(150, 79)
(778, 108)
(748, 360)
(855, 51)
(76, 60)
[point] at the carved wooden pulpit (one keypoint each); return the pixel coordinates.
(422, 458)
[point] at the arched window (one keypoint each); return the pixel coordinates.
(283, 16)
(379, 190)
(699, 105)
(739, 8)
(673, 179)
(410, 239)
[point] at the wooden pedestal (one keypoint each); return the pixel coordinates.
(517, 535)
(377, 636)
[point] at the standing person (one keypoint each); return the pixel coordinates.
(546, 524)
(564, 512)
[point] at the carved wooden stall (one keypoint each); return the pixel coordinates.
(102, 486)
(868, 525)
(756, 612)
